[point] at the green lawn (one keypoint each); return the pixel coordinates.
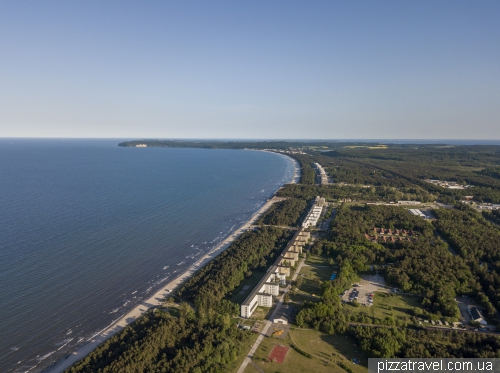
(388, 305)
(314, 277)
(250, 369)
(326, 351)
(318, 260)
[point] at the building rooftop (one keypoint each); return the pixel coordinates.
(256, 289)
(475, 313)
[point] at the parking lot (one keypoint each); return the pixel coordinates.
(359, 294)
(364, 290)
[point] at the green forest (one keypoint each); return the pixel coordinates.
(285, 213)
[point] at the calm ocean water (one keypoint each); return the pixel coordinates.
(88, 229)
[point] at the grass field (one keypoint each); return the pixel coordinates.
(318, 260)
(251, 369)
(310, 290)
(388, 305)
(326, 351)
(314, 276)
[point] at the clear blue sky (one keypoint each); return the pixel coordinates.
(254, 69)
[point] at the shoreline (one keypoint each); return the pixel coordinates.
(167, 289)
(296, 166)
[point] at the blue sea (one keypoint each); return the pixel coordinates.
(88, 229)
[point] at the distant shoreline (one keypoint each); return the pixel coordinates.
(155, 300)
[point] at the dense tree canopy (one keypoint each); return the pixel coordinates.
(393, 342)
(285, 213)
(477, 241)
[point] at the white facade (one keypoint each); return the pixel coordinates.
(292, 255)
(265, 300)
(314, 214)
(322, 174)
(262, 295)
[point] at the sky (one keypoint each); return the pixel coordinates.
(250, 69)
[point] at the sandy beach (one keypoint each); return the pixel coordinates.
(157, 297)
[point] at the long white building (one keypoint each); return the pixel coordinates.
(314, 214)
(262, 294)
(323, 177)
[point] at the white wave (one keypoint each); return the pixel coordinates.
(45, 356)
(67, 341)
(100, 331)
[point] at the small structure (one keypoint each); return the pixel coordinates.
(408, 203)
(476, 315)
(284, 315)
(417, 212)
(280, 320)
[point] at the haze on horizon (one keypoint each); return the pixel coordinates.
(221, 69)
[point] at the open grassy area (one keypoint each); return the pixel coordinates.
(251, 369)
(314, 276)
(326, 352)
(310, 290)
(260, 313)
(238, 294)
(318, 260)
(388, 305)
